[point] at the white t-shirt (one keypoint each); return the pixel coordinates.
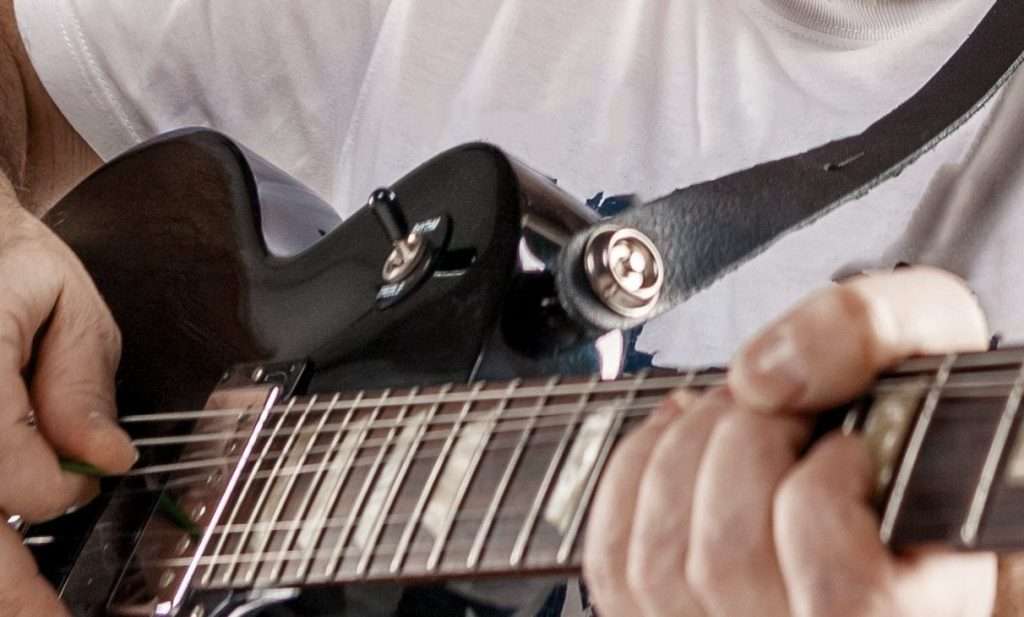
(610, 96)
(606, 95)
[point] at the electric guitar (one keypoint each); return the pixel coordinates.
(401, 396)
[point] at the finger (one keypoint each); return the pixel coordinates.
(606, 544)
(23, 591)
(73, 382)
(828, 349)
(27, 462)
(72, 376)
(732, 565)
(834, 563)
(656, 566)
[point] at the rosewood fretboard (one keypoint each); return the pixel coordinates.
(496, 478)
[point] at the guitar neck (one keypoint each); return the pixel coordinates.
(497, 478)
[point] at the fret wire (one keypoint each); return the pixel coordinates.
(512, 413)
(438, 435)
(364, 492)
(422, 455)
(492, 510)
(419, 550)
(501, 529)
(311, 491)
(435, 472)
(289, 482)
(714, 376)
(556, 458)
(913, 449)
(275, 569)
(506, 529)
(666, 382)
(885, 384)
(193, 565)
(467, 478)
(352, 551)
(339, 483)
(363, 462)
(595, 472)
(393, 490)
(245, 490)
(979, 501)
(261, 500)
(371, 540)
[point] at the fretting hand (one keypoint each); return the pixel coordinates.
(707, 509)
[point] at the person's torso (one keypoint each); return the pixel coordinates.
(607, 96)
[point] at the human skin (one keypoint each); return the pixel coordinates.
(53, 326)
(660, 551)
(709, 510)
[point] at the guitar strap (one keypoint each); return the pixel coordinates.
(708, 229)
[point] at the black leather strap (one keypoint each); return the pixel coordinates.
(709, 229)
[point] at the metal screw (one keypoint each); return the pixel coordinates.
(198, 512)
(257, 374)
(625, 270)
(197, 611)
(226, 375)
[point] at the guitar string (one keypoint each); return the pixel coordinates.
(372, 550)
(494, 446)
(279, 557)
(504, 443)
(382, 553)
(397, 518)
(525, 392)
(199, 478)
(632, 412)
(912, 370)
(963, 390)
(440, 420)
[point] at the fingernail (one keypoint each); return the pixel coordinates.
(776, 371)
(102, 422)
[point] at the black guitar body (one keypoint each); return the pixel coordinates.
(176, 234)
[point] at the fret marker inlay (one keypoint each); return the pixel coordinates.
(572, 478)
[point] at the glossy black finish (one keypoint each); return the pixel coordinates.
(172, 234)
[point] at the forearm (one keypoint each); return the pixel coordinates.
(41, 154)
(13, 115)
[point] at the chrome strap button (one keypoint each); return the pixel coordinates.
(625, 270)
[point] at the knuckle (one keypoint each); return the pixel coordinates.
(794, 492)
(651, 573)
(853, 309)
(15, 340)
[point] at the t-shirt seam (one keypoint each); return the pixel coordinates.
(801, 31)
(836, 31)
(89, 67)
